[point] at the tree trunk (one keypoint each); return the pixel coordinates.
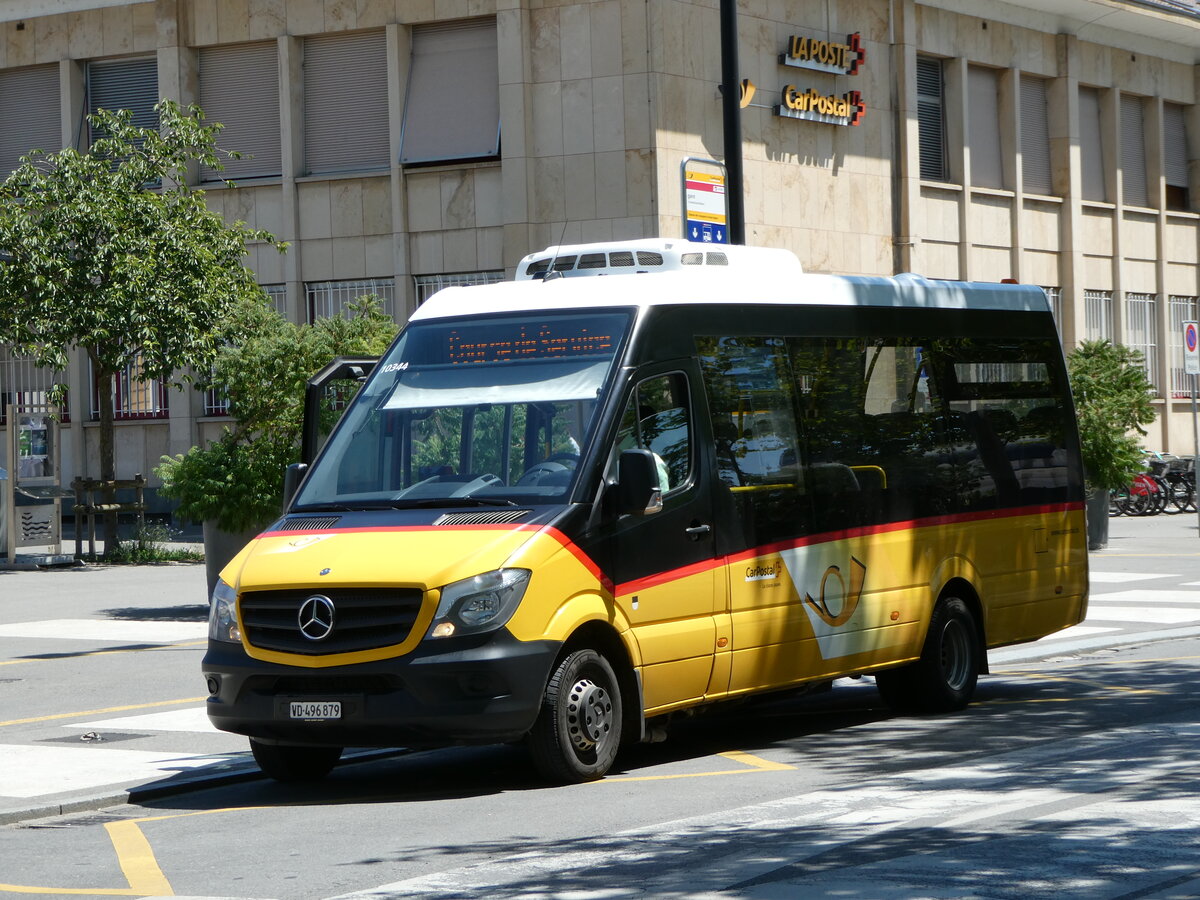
(108, 464)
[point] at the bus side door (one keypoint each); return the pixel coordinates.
(663, 564)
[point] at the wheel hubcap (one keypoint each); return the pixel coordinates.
(589, 714)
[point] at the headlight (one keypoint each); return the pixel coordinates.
(481, 603)
(222, 614)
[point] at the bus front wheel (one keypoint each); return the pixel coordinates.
(578, 730)
(292, 762)
(943, 679)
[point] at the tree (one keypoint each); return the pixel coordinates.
(111, 252)
(237, 481)
(1112, 403)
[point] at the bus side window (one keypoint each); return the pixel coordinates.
(657, 419)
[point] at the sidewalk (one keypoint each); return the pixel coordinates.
(181, 754)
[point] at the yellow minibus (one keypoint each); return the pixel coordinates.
(647, 477)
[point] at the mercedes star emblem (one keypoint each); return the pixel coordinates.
(316, 617)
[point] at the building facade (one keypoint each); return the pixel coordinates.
(403, 145)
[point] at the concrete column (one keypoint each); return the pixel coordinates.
(956, 112)
(908, 151)
(1066, 166)
(399, 52)
(1011, 161)
(291, 137)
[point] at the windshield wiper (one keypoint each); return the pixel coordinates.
(325, 507)
(437, 502)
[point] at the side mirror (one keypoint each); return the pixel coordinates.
(638, 490)
(292, 476)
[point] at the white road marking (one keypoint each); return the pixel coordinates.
(1163, 615)
(37, 770)
(1146, 597)
(126, 632)
(1121, 577)
(191, 719)
(1075, 631)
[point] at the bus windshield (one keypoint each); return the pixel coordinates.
(490, 410)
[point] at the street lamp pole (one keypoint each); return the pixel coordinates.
(731, 113)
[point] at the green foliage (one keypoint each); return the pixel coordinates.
(238, 480)
(1112, 399)
(112, 252)
(151, 545)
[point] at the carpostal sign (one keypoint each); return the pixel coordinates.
(829, 57)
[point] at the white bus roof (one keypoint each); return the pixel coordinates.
(751, 275)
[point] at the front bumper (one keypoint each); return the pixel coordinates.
(480, 690)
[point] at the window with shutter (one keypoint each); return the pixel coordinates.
(984, 128)
(124, 84)
(1133, 152)
(1175, 157)
(345, 103)
(29, 114)
(931, 122)
(452, 111)
(239, 87)
(1091, 145)
(1035, 137)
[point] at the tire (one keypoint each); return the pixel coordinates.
(578, 731)
(944, 678)
(293, 762)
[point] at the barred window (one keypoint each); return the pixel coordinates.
(1054, 296)
(428, 285)
(327, 299)
(277, 294)
(1141, 315)
(1097, 311)
(1180, 309)
(134, 397)
(25, 385)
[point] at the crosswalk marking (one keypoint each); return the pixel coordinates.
(33, 770)
(1121, 577)
(191, 719)
(127, 632)
(1148, 596)
(1076, 631)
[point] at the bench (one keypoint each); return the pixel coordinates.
(91, 501)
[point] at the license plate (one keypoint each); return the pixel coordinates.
(324, 709)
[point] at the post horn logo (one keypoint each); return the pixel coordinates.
(858, 574)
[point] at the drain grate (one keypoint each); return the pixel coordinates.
(94, 737)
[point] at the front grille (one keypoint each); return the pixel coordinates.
(364, 619)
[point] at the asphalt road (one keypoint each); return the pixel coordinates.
(1072, 775)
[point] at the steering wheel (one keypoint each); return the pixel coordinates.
(563, 456)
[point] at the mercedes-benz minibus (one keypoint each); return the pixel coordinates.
(645, 478)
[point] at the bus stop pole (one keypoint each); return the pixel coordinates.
(1195, 455)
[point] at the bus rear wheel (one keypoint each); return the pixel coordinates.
(578, 731)
(944, 678)
(292, 762)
